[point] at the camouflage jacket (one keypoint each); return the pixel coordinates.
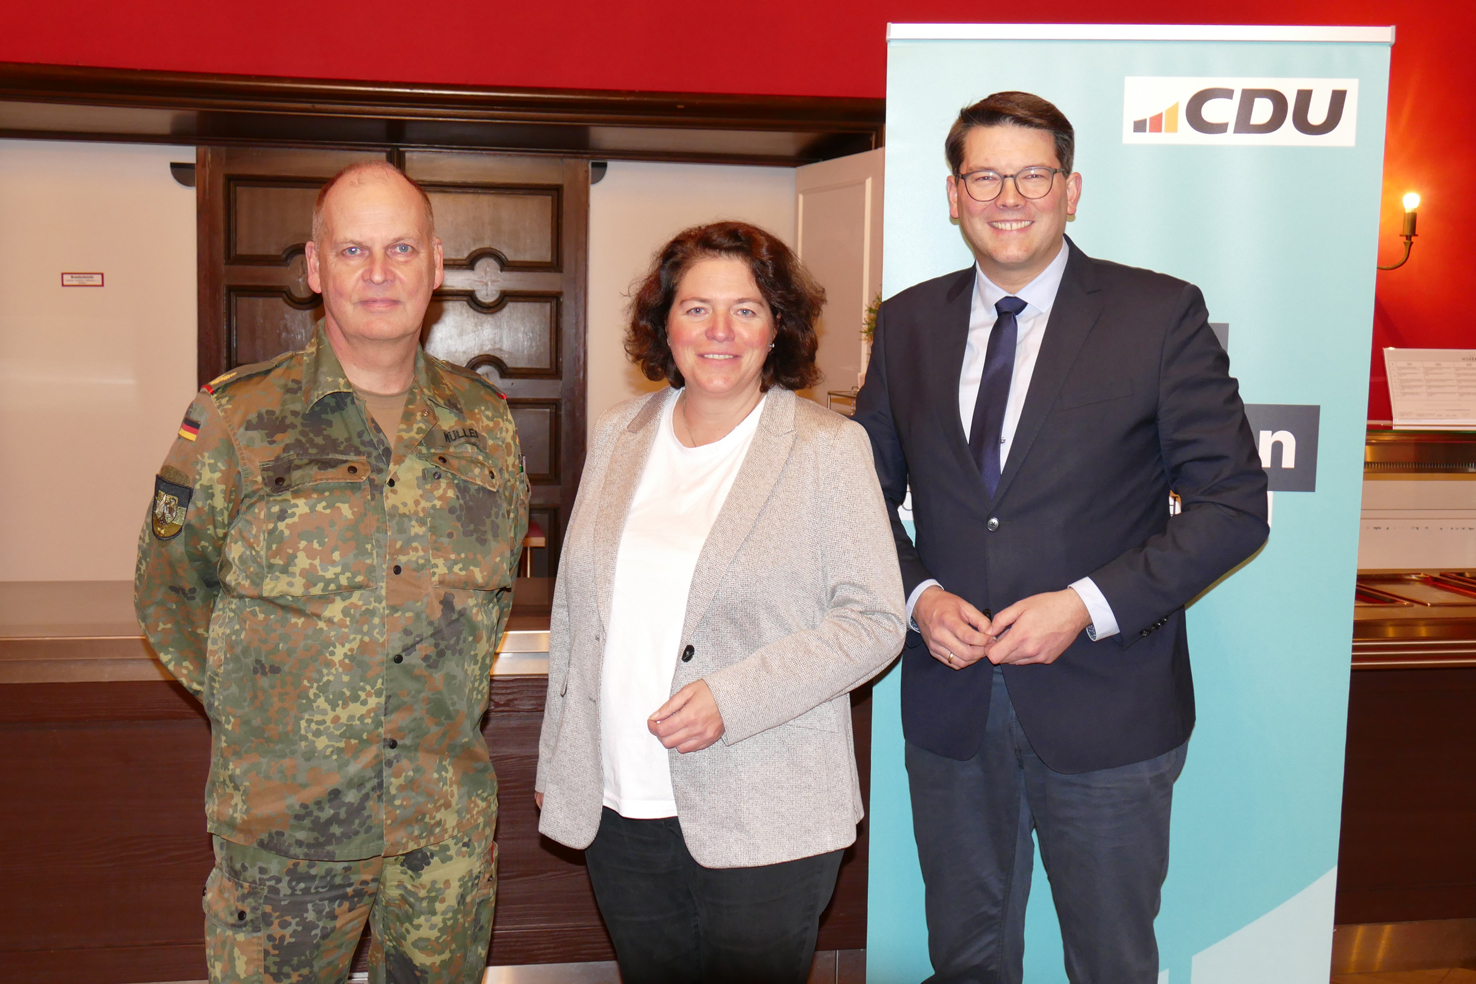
(335, 606)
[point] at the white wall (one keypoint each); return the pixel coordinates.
(93, 381)
(633, 212)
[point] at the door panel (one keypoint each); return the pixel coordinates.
(519, 332)
(522, 222)
(513, 231)
(269, 218)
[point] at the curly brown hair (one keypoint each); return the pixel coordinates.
(791, 293)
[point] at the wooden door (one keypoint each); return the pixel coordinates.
(514, 231)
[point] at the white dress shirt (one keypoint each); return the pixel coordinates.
(1039, 296)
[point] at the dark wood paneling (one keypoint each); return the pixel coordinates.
(211, 347)
(70, 102)
(574, 382)
(280, 322)
(103, 800)
(525, 221)
(1409, 802)
(517, 335)
(538, 434)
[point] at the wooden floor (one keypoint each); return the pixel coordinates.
(1453, 976)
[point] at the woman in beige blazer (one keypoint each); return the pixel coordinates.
(727, 578)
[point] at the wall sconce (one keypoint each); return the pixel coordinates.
(1411, 203)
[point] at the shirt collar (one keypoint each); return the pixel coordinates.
(1039, 294)
(324, 375)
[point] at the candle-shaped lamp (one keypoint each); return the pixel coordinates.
(1411, 203)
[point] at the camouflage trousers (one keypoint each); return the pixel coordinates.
(276, 920)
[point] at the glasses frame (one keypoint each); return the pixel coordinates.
(963, 179)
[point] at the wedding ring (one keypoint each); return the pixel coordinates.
(950, 658)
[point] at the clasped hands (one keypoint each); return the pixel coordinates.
(688, 722)
(1040, 628)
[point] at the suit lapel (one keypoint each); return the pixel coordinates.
(622, 476)
(951, 342)
(768, 453)
(1079, 302)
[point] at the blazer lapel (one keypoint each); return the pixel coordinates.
(622, 476)
(951, 342)
(1079, 302)
(768, 453)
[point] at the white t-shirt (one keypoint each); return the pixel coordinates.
(679, 495)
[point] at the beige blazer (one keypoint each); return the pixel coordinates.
(796, 600)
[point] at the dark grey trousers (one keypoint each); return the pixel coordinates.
(1104, 839)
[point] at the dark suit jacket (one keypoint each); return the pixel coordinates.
(1131, 397)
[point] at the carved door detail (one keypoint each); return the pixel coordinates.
(513, 231)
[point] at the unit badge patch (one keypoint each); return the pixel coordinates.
(170, 502)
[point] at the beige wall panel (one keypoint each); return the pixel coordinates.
(93, 381)
(632, 213)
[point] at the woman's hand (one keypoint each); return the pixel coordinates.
(538, 800)
(690, 721)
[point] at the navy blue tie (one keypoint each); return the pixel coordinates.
(994, 391)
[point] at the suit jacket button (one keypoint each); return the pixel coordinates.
(988, 613)
(1144, 633)
(993, 524)
(687, 654)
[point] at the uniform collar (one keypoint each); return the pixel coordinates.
(325, 376)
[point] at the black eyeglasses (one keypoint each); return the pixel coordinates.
(1032, 182)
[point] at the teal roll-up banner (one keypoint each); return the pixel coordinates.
(1246, 161)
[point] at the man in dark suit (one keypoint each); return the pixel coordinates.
(1042, 405)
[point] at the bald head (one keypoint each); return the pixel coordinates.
(376, 260)
(369, 171)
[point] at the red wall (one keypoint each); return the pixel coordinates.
(823, 48)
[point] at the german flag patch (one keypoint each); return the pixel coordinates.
(189, 430)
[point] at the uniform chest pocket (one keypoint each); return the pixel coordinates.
(318, 530)
(468, 520)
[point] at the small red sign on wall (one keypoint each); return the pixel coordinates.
(82, 280)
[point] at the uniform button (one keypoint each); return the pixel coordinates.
(441, 458)
(392, 743)
(397, 568)
(399, 657)
(391, 483)
(687, 654)
(993, 524)
(435, 475)
(240, 915)
(353, 469)
(279, 481)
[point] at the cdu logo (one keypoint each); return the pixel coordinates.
(1268, 112)
(1286, 437)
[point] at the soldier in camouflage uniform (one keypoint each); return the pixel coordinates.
(332, 588)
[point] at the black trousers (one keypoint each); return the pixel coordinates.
(676, 922)
(1104, 839)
